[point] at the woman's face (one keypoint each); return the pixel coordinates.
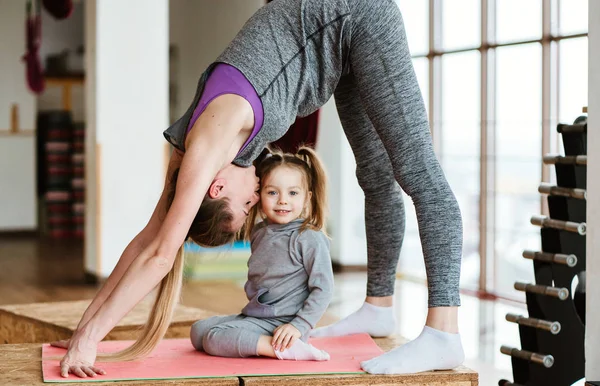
(241, 188)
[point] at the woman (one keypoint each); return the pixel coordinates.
(287, 61)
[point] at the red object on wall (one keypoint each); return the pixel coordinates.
(60, 9)
(33, 24)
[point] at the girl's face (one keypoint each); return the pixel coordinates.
(283, 194)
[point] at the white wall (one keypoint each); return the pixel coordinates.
(18, 201)
(127, 112)
(13, 83)
(592, 339)
(18, 204)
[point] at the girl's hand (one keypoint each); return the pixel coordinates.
(80, 358)
(284, 337)
(61, 343)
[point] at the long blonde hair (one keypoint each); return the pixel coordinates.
(308, 163)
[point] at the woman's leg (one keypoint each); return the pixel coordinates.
(384, 218)
(388, 88)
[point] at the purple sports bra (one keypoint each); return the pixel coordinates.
(226, 79)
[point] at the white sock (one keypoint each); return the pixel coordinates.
(301, 351)
(432, 350)
(374, 320)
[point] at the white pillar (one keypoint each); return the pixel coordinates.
(592, 337)
(126, 112)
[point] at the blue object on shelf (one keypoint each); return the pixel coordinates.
(237, 246)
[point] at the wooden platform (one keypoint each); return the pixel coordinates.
(20, 365)
(47, 322)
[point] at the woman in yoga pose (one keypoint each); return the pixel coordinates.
(287, 61)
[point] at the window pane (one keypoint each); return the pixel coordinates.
(461, 24)
(460, 148)
(421, 66)
(573, 17)
(573, 78)
(415, 14)
(510, 264)
(461, 94)
(517, 159)
(518, 20)
(519, 101)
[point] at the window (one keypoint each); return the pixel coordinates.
(518, 20)
(459, 139)
(498, 126)
(461, 24)
(415, 15)
(517, 161)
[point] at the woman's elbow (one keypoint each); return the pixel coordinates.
(160, 262)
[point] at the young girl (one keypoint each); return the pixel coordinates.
(290, 279)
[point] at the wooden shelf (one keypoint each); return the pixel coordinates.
(66, 83)
(19, 133)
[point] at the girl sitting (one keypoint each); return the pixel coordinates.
(290, 278)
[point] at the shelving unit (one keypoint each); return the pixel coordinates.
(61, 149)
(552, 335)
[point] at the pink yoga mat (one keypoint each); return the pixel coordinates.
(176, 358)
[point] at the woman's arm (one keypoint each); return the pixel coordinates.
(208, 150)
(137, 245)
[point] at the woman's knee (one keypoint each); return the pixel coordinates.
(378, 185)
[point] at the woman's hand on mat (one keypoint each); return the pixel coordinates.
(61, 343)
(284, 337)
(80, 358)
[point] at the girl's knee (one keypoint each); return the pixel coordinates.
(197, 333)
(210, 342)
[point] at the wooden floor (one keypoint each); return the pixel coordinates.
(33, 270)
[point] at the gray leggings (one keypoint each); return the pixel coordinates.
(384, 118)
(233, 336)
